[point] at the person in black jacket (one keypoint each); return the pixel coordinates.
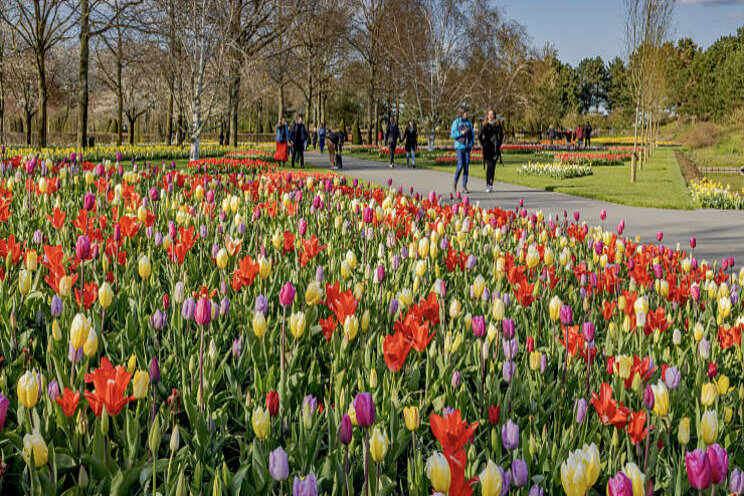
(588, 135)
(491, 136)
(298, 137)
(410, 138)
(392, 135)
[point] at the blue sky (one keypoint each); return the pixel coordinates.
(586, 28)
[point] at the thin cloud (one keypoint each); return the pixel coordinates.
(735, 16)
(712, 2)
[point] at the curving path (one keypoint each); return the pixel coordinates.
(719, 233)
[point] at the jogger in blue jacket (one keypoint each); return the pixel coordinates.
(462, 133)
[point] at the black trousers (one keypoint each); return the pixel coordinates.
(490, 169)
(498, 155)
(392, 153)
(298, 152)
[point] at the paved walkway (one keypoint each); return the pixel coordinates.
(719, 233)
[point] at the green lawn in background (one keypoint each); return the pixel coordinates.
(736, 181)
(728, 151)
(660, 184)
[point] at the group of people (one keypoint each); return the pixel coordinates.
(409, 138)
(490, 137)
(296, 139)
(580, 135)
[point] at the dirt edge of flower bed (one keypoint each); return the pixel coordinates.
(689, 169)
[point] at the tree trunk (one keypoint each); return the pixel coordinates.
(169, 137)
(119, 103)
(371, 106)
(29, 117)
(131, 129)
(281, 101)
(2, 93)
(635, 149)
(377, 124)
(83, 74)
(41, 68)
(234, 105)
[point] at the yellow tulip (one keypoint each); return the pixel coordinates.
(697, 331)
(259, 325)
(297, 324)
(140, 384)
(378, 445)
(535, 358)
(56, 330)
(351, 327)
(260, 421)
(91, 344)
(590, 456)
(624, 364)
(221, 259)
(105, 294)
(661, 399)
(637, 478)
(28, 389)
(573, 475)
(454, 309)
(490, 480)
(34, 443)
(555, 308)
(723, 384)
(683, 431)
(479, 285)
(79, 331)
(32, 260)
(709, 427)
(498, 309)
(24, 282)
(313, 293)
(131, 364)
(438, 472)
(143, 267)
(411, 416)
(352, 414)
(708, 394)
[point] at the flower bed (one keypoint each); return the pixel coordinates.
(183, 332)
(593, 159)
(557, 170)
(122, 153)
(711, 194)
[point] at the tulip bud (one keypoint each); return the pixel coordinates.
(153, 439)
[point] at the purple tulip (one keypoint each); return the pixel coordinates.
(89, 201)
(74, 355)
(224, 306)
(736, 481)
(278, 464)
(511, 348)
(479, 326)
(580, 408)
(510, 435)
(203, 312)
(154, 194)
(588, 330)
(507, 325)
(505, 481)
(566, 315)
(519, 472)
(698, 469)
(56, 306)
(719, 463)
(237, 347)
(394, 306)
(345, 429)
(154, 370)
(364, 407)
(380, 273)
(157, 320)
(306, 487)
(261, 305)
(619, 485)
(188, 308)
(4, 405)
(648, 398)
(536, 491)
(507, 369)
(52, 391)
(287, 294)
(38, 237)
(456, 377)
(672, 377)
(82, 247)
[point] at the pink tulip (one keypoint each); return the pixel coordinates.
(698, 469)
(659, 236)
(693, 243)
(719, 463)
(620, 485)
(287, 294)
(603, 214)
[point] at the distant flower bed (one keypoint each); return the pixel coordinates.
(120, 153)
(246, 165)
(711, 194)
(593, 159)
(555, 170)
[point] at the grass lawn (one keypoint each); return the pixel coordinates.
(736, 181)
(728, 151)
(660, 184)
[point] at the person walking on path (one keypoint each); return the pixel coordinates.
(298, 138)
(335, 148)
(282, 139)
(551, 134)
(499, 140)
(315, 138)
(392, 135)
(588, 135)
(489, 137)
(321, 136)
(410, 139)
(461, 132)
(579, 136)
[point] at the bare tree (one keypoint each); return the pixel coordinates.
(647, 26)
(41, 24)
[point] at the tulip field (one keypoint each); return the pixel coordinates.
(234, 328)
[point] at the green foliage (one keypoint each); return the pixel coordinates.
(356, 137)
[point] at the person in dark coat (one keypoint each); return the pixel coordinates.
(321, 136)
(410, 140)
(335, 148)
(499, 139)
(490, 137)
(392, 135)
(298, 137)
(588, 135)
